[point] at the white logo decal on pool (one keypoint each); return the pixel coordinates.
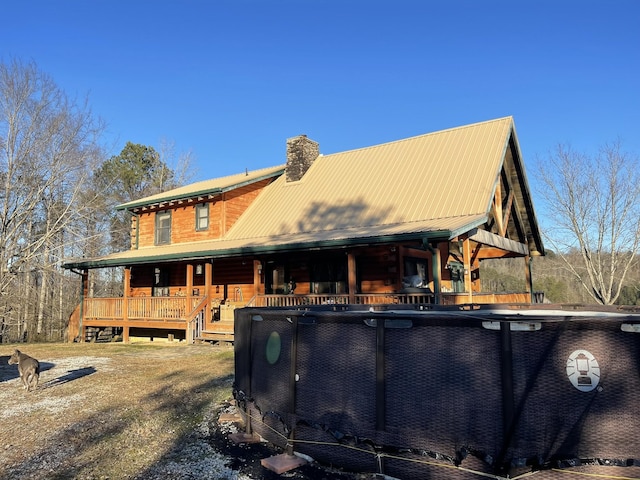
(583, 370)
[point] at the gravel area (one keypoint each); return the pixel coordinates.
(114, 411)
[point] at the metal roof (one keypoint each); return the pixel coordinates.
(205, 188)
(442, 175)
(434, 185)
(262, 245)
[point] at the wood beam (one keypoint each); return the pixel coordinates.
(189, 286)
(125, 304)
(497, 205)
(208, 277)
(507, 214)
(466, 258)
(518, 217)
(257, 277)
(351, 269)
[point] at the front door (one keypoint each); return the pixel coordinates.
(160, 282)
(457, 277)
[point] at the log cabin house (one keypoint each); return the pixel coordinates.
(408, 221)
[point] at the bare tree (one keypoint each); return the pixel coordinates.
(48, 147)
(593, 210)
(181, 165)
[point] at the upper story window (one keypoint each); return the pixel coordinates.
(163, 228)
(202, 216)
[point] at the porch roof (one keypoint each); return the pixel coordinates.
(432, 229)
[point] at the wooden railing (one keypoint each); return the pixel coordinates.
(141, 308)
(190, 312)
(391, 298)
(459, 298)
(196, 320)
(296, 300)
(187, 308)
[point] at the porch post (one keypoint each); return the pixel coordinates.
(351, 269)
(125, 304)
(189, 292)
(208, 269)
(188, 296)
(436, 266)
(528, 279)
(83, 294)
(257, 274)
(466, 259)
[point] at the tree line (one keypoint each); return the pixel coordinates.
(552, 277)
(59, 190)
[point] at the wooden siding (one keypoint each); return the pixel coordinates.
(223, 213)
(146, 228)
(238, 200)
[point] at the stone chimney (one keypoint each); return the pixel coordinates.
(301, 152)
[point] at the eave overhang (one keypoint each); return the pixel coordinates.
(311, 241)
(196, 195)
(253, 250)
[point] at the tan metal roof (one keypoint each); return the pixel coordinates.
(206, 187)
(439, 176)
(256, 245)
(435, 185)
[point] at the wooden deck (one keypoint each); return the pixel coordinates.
(202, 320)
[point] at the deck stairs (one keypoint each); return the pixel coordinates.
(221, 329)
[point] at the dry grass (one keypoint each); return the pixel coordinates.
(107, 411)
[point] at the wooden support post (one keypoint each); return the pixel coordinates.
(351, 269)
(257, 277)
(466, 259)
(189, 292)
(436, 271)
(528, 277)
(125, 304)
(83, 294)
(208, 278)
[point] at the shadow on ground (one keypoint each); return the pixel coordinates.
(69, 376)
(10, 372)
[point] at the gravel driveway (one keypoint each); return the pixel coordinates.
(137, 411)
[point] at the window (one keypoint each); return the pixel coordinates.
(329, 276)
(202, 217)
(275, 279)
(415, 272)
(278, 279)
(163, 228)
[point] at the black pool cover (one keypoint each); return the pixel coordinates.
(445, 392)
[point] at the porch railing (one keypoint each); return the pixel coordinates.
(187, 308)
(296, 300)
(138, 308)
(196, 320)
(391, 298)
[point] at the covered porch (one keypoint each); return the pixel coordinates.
(195, 299)
(200, 318)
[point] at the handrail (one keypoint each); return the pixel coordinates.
(202, 303)
(252, 301)
(195, 320)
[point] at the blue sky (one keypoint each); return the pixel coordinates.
(230, 81)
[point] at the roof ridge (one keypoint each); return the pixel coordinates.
(437, 132)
